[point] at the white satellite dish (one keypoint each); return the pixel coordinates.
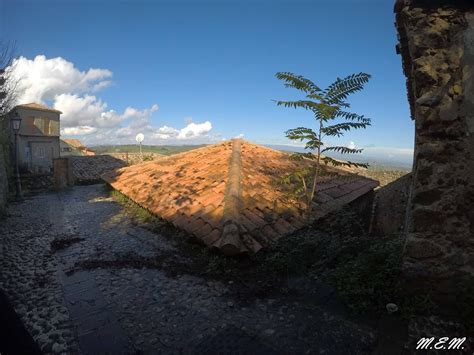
(140, 137)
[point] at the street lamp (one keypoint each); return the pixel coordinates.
(16, 124)
(139, 138)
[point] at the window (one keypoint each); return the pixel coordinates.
(53, 128)
(39, 123)
(40, 152)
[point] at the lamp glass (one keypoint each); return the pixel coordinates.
(16, 121)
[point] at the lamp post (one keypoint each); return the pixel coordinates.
(16, 123)
(139, 138)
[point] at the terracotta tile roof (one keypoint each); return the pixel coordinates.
(36, 106)
(228, 194)
(76, 143)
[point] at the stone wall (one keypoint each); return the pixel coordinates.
(4, 165)
(390, 208)
(63, 176)
(437, 47)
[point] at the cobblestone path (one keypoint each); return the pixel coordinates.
(142, 310)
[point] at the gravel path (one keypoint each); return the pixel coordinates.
(130, 310)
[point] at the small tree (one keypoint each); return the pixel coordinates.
(326, 105)
(8, 85)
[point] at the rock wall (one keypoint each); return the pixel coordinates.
(4, 164)
(63, 176)
(390, 207)
(3, 181)
(437, 47)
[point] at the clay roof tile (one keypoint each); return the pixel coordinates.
(229, 194)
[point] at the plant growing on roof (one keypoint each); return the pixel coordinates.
(328, 106)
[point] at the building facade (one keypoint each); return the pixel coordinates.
(38, 138)
(74, 147)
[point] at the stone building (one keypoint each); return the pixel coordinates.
(74, 147)
(437, 49)
(38, 139)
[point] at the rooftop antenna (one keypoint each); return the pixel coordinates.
(139, 138)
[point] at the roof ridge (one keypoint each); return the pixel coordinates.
(230, 241)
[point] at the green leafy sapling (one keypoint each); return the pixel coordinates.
(330, 110)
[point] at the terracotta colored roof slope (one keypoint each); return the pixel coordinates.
(228, 194)
(36, 106)
(76, 143)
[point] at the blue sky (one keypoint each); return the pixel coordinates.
(211, 61)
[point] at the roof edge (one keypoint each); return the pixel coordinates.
(46, 109)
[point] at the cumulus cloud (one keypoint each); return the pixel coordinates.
(42, 79)
(351, 145)
(165, 132)
(73, 92)
(78, 130)
(194, 130)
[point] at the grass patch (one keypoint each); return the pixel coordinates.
(367, 280)
(296, 254)
(369, 276)
(138, 214)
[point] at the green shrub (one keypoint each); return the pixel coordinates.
(368, 281)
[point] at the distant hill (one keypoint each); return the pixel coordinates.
(134, 148)
(376, 162)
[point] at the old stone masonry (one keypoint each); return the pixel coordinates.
(437, 47)
(133, 309)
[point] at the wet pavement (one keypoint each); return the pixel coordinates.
(144, 310)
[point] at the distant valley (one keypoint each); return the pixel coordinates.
(377, 161)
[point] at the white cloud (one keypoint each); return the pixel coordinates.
(78, 130)
(165, 132)
(351, 145)
(191, 131)
(42, 79)
(194, 130)
(241, 135)
(73, 92)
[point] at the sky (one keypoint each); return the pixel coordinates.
(200, 71)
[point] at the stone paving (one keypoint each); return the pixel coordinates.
(143, 310)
